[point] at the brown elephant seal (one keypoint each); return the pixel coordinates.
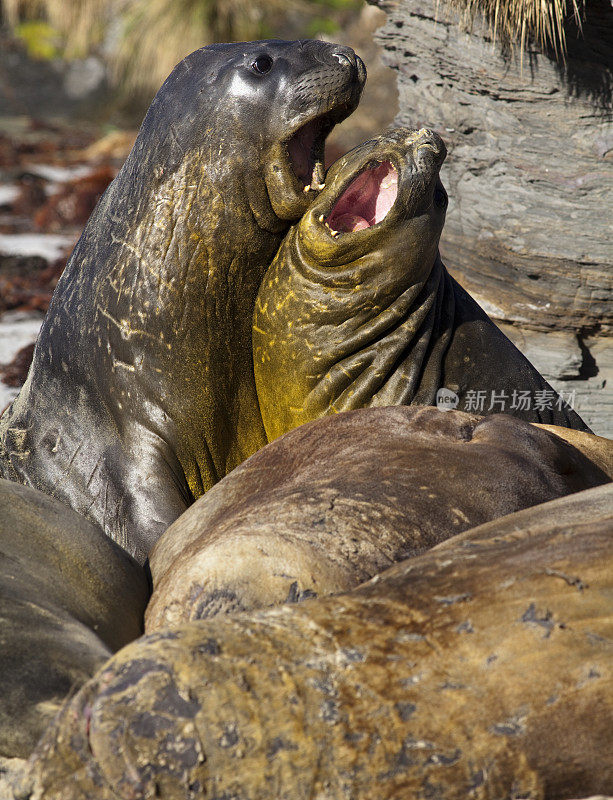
(481, 669)
(70, 597)
(141, 393)
(357, 308)
(598, 449)
(331, 504)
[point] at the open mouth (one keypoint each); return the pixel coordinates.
(306, 149)
(366, 201)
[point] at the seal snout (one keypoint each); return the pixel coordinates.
(427, 142)
(346, 57)
(325, 90)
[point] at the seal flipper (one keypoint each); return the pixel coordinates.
(481, 358)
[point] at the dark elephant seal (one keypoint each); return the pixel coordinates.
(141, 394)
(357, 308)
(70, 597)
(331, 504)
(481, 669)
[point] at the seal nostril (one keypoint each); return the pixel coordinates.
(343, 58)
(361, 67)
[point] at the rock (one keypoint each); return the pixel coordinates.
(580, 369)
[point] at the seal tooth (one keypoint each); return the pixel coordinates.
(307, 189)
(318, 176)
(321, 217)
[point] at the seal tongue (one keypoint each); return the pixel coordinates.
(366, 201)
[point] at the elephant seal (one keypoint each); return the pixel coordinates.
(141, 393)
(333, 503)
(357, 308)
(598, 449)
(480, 669)
(70, 598)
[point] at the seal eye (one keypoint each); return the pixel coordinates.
(440, 196)
(262, 64)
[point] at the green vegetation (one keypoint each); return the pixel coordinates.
(40, 39)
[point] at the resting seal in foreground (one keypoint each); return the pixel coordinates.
(141, 393)
(331, 504)
(69, 598)
(481, 669)
(357, 308)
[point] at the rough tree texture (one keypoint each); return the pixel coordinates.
(530, 179)
(482, 670)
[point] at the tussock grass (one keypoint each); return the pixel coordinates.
(144, 39)
(157, 34)
(515, 22)
(81, 23)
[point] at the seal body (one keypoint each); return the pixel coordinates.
(70, 598)
(337, 501)
(357, 309)
(141, 394)
(481, 668)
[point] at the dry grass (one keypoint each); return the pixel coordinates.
(157, 34)
(515, 22)
(144, 39)
(82, 23)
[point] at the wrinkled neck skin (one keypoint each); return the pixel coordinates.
(155, 304)
(348, 336)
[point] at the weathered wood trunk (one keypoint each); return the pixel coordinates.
(530, 179)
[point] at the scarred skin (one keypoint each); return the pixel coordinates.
(482, 669)
(141, 393)
(371, 317)
(329, 505)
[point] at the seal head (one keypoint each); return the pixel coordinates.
(141, 393)
(357, 309)
(258, 111)
(347, 292)
(384, 194)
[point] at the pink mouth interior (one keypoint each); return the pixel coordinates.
(367, 199)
